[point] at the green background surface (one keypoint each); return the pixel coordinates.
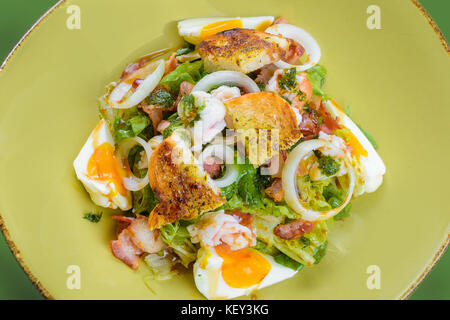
(17, 16)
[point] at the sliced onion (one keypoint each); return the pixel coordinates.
(144, 89)
(289, 176)
(226, 154)
(120, 91)
(301, 36)
(226, 78)
(132, 182)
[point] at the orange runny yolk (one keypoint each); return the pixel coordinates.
(242, 268)
(357, 149)
(103, 166)
(219, 26)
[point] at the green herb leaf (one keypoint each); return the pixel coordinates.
(327, 165)
(93, 217)
(175, 123)
(288, 80)
(160, 97)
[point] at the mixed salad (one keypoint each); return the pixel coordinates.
(227, 157)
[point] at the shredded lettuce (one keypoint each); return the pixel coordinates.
(307, 250)
(311, 193)
(177, 237)
(161, 266)
(144, 201)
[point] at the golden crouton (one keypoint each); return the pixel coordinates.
(243, 50)
(252, 112)
(182, 186)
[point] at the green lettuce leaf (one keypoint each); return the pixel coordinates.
(316, 76)
(132, 124)
(144, 201)
(177, 237)
(188, 71)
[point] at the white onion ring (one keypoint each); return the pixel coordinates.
(132, 182)
(289, 176)
(155, 141)
(226, 154)
(224, 78)
(143, 90)
(301, 36)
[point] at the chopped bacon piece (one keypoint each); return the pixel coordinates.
(319, 119)
(275, 164)
(125, 250)
(171, 64)
(163, 125)
(295, 51)
(280, 20)
(122, 223)
(154, 112)
(246, 219)
(328, 121)
(185, 89)
(213, 167)
(134, 240)
(294, 230)
(265, 73)
(131, 68)
(275, 190)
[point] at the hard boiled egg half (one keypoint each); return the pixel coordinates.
(370, 166)
(221, 273)
(198, 29)
(227, 266)
(97, 167)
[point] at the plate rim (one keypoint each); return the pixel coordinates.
(46, 294)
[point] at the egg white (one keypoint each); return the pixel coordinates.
(372, 165)
(100, 192)
(209, 281)
(190, 29)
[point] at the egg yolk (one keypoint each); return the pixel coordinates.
(357, 149)
(103, 166)
(219, 26)
(242, 268)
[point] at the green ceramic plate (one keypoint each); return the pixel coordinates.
(395, 79)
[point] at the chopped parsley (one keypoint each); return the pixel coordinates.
(288, 80)
(327, 165)
(160, 97)
(93, 217)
